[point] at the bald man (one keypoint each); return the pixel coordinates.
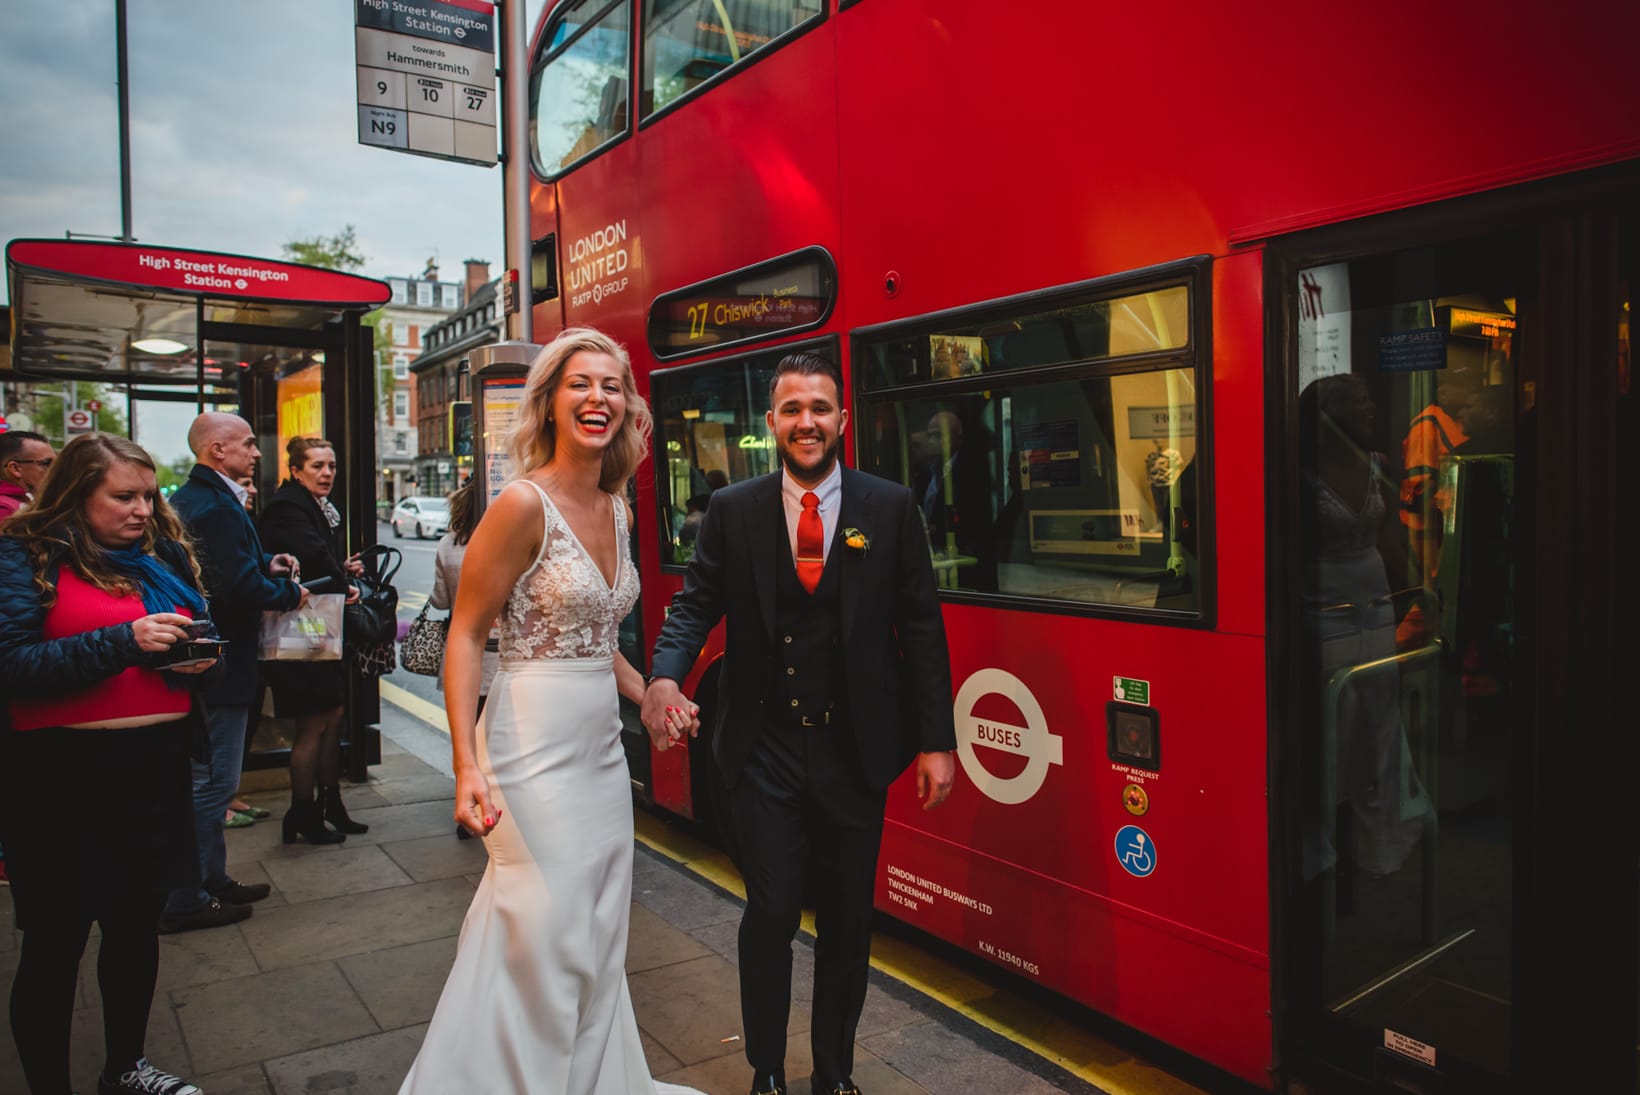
(240, 581)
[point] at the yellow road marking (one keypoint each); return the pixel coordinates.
(1025, 1023)
(411, 704)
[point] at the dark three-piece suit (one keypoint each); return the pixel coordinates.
(824, 698)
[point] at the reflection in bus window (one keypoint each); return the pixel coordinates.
(710, 431)
(1141, 323)
(687, 42)
(1072, 490)
(578, 86)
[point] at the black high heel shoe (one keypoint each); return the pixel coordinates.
(336, 812)
(304, 820)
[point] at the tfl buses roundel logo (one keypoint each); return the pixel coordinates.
(1032, 741)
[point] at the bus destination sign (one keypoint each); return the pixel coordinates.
(426, 77)
(792, 293)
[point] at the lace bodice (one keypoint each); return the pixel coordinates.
(561, 606)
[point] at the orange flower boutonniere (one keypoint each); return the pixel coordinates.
(856, 539)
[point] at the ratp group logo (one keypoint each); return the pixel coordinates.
(1033, 741)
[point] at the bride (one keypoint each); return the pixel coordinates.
(537, 999)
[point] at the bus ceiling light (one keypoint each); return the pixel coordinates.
(159, 345)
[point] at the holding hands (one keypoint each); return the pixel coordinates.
(668, 715)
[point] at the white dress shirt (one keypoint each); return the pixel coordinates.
(239, 492)
(830, 493)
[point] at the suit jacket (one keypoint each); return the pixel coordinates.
(237, 582)
(896, 666)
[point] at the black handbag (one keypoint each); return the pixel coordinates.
(374, 618)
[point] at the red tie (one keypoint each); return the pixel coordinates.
(811, 543)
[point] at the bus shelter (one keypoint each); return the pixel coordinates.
(169, 333)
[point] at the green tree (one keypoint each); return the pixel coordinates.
(48, 409)
(338, 252)
(173, 475)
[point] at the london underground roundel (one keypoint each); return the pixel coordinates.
(1033, 741)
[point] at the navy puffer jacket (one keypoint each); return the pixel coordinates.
(32, 666)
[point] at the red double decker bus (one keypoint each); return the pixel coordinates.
(1264, 376)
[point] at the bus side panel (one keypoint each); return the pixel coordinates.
(1207, 1000)
(548, 319)
(1238, 443)
(746, 172)
(600, 228)
(991, 151)
(1043, 823)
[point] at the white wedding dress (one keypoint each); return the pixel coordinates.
(537, 999)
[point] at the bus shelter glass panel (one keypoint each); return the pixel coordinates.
(1407, 366)
(710, 431)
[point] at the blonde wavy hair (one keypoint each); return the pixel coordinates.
(54, 529)
(536, 437)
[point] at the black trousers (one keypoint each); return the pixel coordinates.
(802, 804)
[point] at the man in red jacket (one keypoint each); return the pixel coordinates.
(24, 458)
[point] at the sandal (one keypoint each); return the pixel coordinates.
(255, 812)
(238, 819)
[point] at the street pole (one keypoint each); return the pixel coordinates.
(515, 179)
(122, 80)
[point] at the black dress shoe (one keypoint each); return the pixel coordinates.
(240, 893)
(841, 1087)
(768, 1083)
(214, 914)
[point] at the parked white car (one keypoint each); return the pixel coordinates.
(421, 517)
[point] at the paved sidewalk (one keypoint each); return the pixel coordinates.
(329, 986)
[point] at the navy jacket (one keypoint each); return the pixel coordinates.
(32, 666)
(237, 583)
(896, 666)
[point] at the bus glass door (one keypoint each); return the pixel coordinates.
(1438, 556)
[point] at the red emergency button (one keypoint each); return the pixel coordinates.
(1135, 800)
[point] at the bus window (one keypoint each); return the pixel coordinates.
(687, 42)
(1099, 330)
(578, 86)
(710, 432)
(1041, 474)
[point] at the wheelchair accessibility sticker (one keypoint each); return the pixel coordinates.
(1135, 851)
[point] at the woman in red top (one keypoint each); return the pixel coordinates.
(97, 584)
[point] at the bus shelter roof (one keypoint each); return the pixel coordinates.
(96, 310)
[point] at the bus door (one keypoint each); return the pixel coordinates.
(1455, 813)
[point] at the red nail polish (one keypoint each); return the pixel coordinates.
(489, 821)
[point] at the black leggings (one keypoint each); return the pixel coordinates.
(42, 994)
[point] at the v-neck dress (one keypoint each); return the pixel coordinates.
(537, 998)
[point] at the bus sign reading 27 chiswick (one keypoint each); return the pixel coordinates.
(426, 72)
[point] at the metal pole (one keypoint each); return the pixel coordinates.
(515, 90)
(122, 81)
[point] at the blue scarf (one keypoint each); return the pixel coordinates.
(162, 590)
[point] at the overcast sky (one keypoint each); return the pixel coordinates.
(243, 136)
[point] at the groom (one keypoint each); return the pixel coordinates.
(835, 676)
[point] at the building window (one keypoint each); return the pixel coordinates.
(398, 442)
(401, 404)
(424, 294)
(450, 296)
(401, 367)
(401, 293)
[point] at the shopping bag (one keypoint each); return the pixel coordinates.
(311, 633)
